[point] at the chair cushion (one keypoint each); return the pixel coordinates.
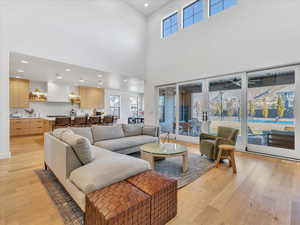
(150, 130)
(101, 133)
(126, 142)
(80, 145)
(132, 130)
(108, 168)
(84, 132)
(208, 144)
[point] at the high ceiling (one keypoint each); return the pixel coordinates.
(40, 69)
(152, 7)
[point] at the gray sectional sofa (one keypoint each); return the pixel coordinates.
(87, 159)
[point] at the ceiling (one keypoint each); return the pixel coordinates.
(39, 69)
(153, 5)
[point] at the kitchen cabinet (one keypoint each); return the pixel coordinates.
(18, 93)
(29, 126)
(91, 98)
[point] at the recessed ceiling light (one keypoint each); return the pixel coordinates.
(81, 80)
(24, 62)
(68, 70)
(146, 4)
(20, 71)
(125, 81)
(59, 77)
(100, 83)
(100, 75)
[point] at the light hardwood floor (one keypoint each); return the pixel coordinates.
(265, 191)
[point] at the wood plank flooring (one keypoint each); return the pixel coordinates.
(265, 191)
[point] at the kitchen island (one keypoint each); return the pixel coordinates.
(30, 125)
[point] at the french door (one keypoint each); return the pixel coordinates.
(272, 112)
(203, 106)
(261, 105)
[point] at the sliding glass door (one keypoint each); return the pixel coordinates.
(190, 109)
(224, 103)
(271, 116)
(167, 109)
(261, 105)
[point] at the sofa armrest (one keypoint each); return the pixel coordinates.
(151, 130)
(59, 157)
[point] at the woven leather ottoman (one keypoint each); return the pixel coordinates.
(163, 192)
(118, 204)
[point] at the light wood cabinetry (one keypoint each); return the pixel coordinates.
(18, 93)
(29, 126)
(91, 98)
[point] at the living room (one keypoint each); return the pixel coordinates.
(216, 127)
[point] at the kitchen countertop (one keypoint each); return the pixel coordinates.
(33, 117)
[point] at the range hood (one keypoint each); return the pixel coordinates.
(58, 92)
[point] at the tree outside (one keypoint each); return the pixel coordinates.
(280, 107)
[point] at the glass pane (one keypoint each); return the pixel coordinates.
(174, 19)
(167, 32)
(188, 22)
(133, 106)
(167, 23)
(224, 105)
(198, 7)
(190, 109)
(174, 28)
(188, 12)
(167, 109)
(198, 17)
(229, 3)
(271, 101)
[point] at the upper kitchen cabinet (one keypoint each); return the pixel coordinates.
(58, 92)
(18, 93)
(91, 98)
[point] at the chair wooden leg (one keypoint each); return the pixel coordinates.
(219, 157)
(233, 162)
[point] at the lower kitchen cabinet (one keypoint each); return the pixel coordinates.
(29, 126)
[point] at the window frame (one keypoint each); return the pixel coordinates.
(209, 7)
(137, 106)
(115, 107)
(162, 23)
(186, 6)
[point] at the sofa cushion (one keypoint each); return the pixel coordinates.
(84, 132)
(150, 130)
(60, 131)
(126, 142)
(80, 145)
(132, 130)
(108, 168)
(101, 133)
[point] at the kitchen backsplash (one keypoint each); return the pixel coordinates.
(52, 108)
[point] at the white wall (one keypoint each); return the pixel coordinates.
(107, 35)
(4, 85)
(253, 34)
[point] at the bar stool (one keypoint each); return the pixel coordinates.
(80, 121)
(94, 120)
(61, 122)
(230, 150)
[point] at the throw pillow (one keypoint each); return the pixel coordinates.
(84, 132)
(80, 145)
(60, 131)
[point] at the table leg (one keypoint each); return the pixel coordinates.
(185, 162)
(148, 157)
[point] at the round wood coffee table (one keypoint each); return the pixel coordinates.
(164, 150)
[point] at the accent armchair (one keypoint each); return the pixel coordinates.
(209, 144)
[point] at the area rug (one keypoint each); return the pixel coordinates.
(171, 167)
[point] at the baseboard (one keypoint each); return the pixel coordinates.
(5, 155)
